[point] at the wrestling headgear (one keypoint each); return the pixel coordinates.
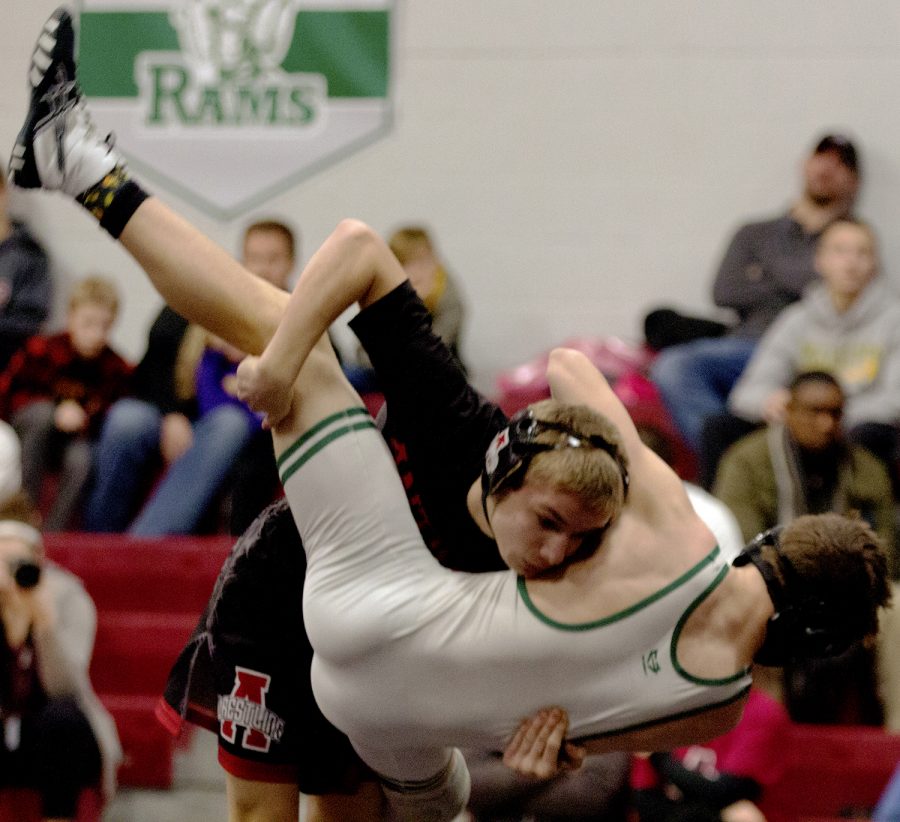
(804, 625)
(508, 456)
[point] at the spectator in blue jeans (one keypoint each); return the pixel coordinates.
(141, 432)
(766, 267)
(224, 426)
(155, 427)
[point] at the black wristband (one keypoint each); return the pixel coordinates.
(117, 214)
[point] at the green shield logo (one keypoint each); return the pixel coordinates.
(227, 102)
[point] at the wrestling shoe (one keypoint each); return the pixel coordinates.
(59, 146)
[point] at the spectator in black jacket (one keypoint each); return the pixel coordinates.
(25, 284)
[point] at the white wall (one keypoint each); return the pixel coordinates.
(579, 161)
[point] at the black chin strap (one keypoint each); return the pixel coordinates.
(752, 554)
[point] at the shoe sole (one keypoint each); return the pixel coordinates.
(55, 46)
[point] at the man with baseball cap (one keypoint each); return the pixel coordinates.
(842, 147)
(766, 267)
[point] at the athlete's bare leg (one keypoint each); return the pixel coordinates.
(366, 805)
(252, 801)
(200, 280)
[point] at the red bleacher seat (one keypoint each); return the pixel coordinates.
(21, 805)
(149, 594)
(833, 771)
(122, 573)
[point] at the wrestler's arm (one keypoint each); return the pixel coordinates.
(353, 265)
(573, 378)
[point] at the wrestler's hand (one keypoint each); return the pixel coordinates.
(262, 392)
(539, 749)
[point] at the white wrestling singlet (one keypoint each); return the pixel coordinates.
(411, 657)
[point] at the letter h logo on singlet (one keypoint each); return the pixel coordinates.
(251, 686)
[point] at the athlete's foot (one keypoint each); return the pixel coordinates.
(59, 147)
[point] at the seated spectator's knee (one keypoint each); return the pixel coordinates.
(670, 368)
(77, 458)
(130, 419)
(35, 415)
(227, 423)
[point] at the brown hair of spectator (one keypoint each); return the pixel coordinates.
(405, 242)
(277, 227)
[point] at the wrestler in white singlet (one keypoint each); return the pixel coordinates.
(412, 658)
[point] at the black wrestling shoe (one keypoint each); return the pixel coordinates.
(59, 146)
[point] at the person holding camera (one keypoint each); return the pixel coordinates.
(55, 736)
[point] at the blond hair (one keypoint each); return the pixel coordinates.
(592, 474)
(95, 291)
(406, 242)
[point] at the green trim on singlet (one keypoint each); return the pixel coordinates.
(297, 456)
(311, 432)
(632, 609)
(640, 726)
(677, 632)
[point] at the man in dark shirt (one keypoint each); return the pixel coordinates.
(766, 267)
(806, 466)
(25, 283)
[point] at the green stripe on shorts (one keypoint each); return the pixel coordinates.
(317, 437)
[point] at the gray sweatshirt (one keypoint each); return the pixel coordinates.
(861, 347)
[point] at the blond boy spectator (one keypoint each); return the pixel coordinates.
(56, 391)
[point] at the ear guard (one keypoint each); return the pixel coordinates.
(804, 625)
(508, 456)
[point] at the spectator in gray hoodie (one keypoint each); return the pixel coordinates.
(847, 325)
